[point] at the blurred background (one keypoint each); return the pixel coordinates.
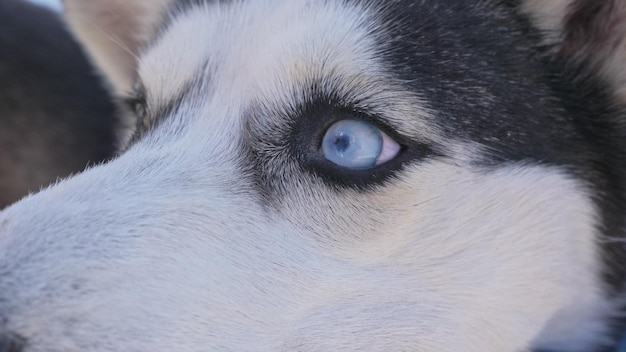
(57, 115)
(53, 4)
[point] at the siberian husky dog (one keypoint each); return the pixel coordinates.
(318, 175)
(55, 114)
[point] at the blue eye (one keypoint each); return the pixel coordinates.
(357, 144)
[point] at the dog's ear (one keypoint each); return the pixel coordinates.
(113, 32)
(590, 32)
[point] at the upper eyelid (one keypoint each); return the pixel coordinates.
(369, 109)
(377, 119)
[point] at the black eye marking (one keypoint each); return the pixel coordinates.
(309, 124)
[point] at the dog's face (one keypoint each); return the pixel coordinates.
(323, 176)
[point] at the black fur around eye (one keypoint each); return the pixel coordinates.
(310, 134)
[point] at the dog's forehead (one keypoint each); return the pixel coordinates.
(270, 54)
(401, 60)
(247, 44)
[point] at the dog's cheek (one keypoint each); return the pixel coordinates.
(503, 237)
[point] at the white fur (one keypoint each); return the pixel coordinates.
(171, 248)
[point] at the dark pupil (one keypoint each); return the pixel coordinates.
(342, 143)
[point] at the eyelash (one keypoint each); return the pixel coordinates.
(306, 139)
(307, 133)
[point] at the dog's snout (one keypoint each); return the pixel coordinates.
(10, 343)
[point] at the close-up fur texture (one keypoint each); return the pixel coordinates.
(335, 175)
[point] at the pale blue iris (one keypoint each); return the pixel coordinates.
(353, 144)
